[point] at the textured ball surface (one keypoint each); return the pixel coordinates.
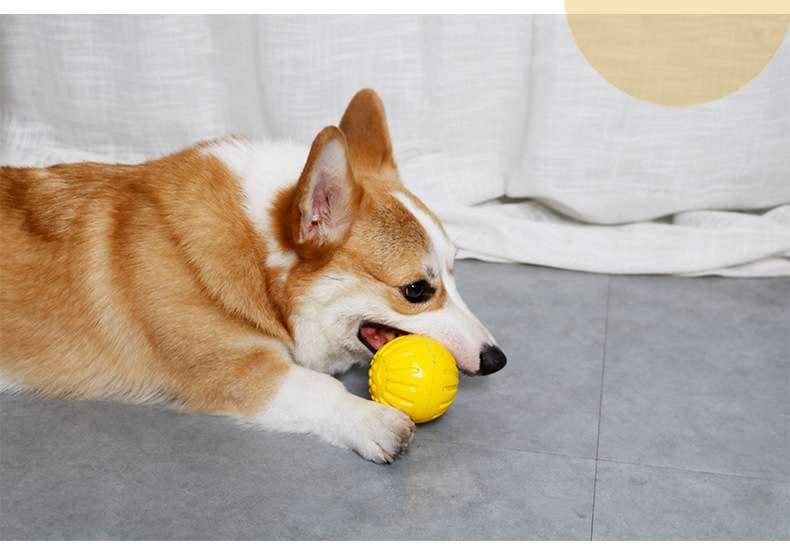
(415, 374)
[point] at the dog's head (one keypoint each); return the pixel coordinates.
(374, 261)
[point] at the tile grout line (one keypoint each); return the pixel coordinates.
(600, 402)
(769, 478)
(780, 479)
(505, 449)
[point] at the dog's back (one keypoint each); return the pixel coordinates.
(110, 275)
(61, 333)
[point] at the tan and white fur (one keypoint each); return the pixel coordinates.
(231, 278)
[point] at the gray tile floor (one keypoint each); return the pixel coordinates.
(632, 408)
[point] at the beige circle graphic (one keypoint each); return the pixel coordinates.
(676, 59)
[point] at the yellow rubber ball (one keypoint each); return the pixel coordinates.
(415, 374)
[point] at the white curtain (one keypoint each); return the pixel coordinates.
(498, 123)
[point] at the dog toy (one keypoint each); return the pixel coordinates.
(415, 374)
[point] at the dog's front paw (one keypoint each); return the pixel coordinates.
(376, 432)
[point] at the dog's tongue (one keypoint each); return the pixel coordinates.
(375, 336)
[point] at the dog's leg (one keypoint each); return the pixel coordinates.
(312, 402)
(257, 382)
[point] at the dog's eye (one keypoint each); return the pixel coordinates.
(419, 291)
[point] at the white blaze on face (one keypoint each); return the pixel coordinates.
(453, 325)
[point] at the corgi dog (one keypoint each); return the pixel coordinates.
(232, 278)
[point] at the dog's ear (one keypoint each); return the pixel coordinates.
(326, 197)
(365, 126)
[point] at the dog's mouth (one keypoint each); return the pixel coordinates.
(375, 335)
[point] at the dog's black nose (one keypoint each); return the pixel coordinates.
(491, 360)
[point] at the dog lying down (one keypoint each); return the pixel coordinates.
(232, 278)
